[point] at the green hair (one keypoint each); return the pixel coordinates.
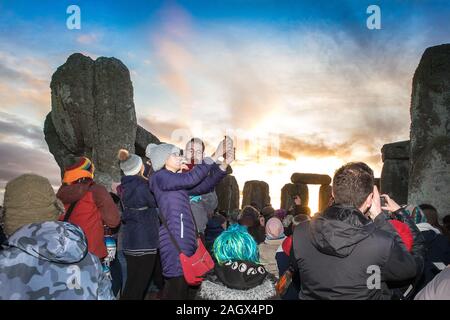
(235, 244)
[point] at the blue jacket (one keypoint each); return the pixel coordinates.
(139, 227)
(49, 261)
(172, 191)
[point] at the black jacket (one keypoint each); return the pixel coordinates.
(338, 251)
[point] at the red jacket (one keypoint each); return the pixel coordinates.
(94, 209)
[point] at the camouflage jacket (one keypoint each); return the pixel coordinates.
(49, 261)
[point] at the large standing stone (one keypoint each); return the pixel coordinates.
(430, 130)
(395, 172)
(93, 115)
(257, 192)
(324, 197)
(289, 190)
(310, 178)
(228, 194)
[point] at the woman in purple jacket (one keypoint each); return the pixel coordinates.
(172, 191)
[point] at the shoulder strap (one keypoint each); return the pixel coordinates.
(69, 211)
(73, 204)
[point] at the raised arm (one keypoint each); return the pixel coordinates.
(170, 181)
(207, 185)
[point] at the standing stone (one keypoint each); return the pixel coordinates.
(93, 115)
(291, 189)
(257, 192)
(228, 194)
(395, 172)
(430, 131)
(310, 178)
(324, 197)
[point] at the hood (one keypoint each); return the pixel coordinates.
(71, 193)
(211, 290)
(338, 229)
(54, 241)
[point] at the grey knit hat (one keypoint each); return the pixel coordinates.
(130, 163)
(159, 153)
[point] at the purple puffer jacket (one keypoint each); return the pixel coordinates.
(172, 191)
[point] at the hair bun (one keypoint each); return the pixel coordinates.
(123, 155)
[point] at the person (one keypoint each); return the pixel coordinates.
(350, 250)
(93, 206)
(438, 288)
(251, 218)
(437, 245)
(116, 265)
(432, 217)
(298, 207)
(446, 225)
(140, 226)
(238, 274)
(202, 206)
(267, 212)
(45, 259)
(285, 262)
(215, 226)
(267, 250)
(172, 190)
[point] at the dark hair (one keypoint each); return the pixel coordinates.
(249, 216)
(352, 183)
(425, 206)
(430, 213)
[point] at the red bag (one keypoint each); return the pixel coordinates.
(197, 265)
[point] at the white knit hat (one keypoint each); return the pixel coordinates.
(159, 153)
(130, 164)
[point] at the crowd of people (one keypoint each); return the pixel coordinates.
(138, 241)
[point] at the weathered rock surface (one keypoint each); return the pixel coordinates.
(93, 115)
(430, 130)
(324, 197)
(394, 180)
(291, 189)
(228, 194)
(310, 178)
(396, 151)
(256, 191)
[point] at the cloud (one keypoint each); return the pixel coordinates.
(24, 84)
(13, 128)
(164, 130)
(17, 159)
(87, 39)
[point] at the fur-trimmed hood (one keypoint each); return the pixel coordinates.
(212, 290)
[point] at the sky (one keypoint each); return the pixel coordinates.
(302, 86)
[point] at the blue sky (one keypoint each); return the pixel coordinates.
(256, 67)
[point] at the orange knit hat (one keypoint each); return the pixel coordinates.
(83, 168)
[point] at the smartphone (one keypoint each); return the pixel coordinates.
(383, 201)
